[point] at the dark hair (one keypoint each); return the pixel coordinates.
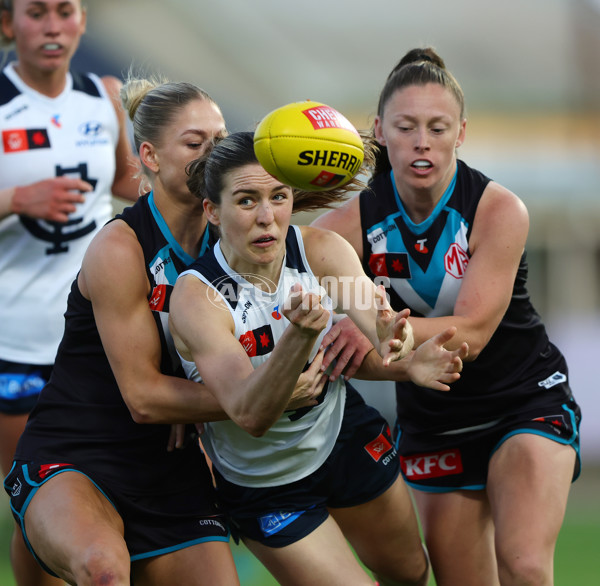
(419, 66)
(206, 174)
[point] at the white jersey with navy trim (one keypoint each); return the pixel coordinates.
(74, 134)
(300, 441)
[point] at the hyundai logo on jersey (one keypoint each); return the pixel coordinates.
(90, 128)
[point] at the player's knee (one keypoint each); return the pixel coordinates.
(414, 572)
(525, 569)
(106, 566)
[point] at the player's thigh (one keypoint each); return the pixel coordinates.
(68, 518)
(385, 532)
(204, 564)
(459, 535)
(322, 558)
(528, 486)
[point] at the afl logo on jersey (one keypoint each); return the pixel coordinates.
(90, 128)
(456, 261)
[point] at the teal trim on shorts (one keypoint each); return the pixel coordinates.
(157, 552)
(441, 489)
(21, 514)
(571, 441)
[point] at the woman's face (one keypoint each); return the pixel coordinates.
(46, 33)
(253, 218)
(184, 139)
(421, 128)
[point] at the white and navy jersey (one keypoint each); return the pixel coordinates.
(300, 441)
(74, 134)
(423, 266)
(81, 417)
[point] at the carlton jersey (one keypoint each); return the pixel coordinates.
(80, 417)
(300, 441)
(74, 134)
(423, 266)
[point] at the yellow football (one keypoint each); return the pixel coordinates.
(308, 145)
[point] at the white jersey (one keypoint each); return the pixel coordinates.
(300, 441)
(74, 134)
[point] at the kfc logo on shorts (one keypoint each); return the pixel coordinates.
(434, 465)
(378, 447)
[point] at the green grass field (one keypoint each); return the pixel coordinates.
(577, 561)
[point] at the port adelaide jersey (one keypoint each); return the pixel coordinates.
(81, 417)
(300, 441)
(422, 266)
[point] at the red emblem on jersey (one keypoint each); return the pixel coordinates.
(158, 298)
(258, 342)
(14, 141)
(22, 139)
(390, 264)
(456, 261)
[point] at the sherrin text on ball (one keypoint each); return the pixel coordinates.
(309, 145)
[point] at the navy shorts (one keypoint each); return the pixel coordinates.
(458, 460)
(155, 524)
(20, 385)
(362, 466)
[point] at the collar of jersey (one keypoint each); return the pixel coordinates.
(164, 228)
(425, 224)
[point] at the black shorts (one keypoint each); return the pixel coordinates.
(458, 460)
(155, 524)
(20, 385)
(362, 466)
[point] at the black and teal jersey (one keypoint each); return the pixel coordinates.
(422, 266)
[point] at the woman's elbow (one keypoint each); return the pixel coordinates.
(141, 410)
(255, 425)
(476, 346)
(141, 415)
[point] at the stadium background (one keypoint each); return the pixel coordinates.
(531, 76)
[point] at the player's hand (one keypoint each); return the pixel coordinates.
(309, 386)
(304, 310)
(180, 437)
(432, 366)
(51, 199)
(393, 329)
(347, 345)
